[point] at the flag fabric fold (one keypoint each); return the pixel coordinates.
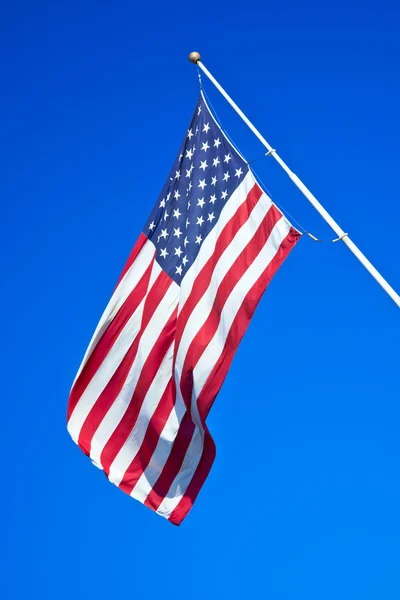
(162, 349)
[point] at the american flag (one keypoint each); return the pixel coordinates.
(162, 349)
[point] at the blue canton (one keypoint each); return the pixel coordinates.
(203, 177)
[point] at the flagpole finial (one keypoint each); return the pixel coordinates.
(194, 57)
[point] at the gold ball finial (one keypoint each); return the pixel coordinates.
(194, 57)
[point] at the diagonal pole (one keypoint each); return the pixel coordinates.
(195, 58)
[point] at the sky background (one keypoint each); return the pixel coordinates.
(303, 499)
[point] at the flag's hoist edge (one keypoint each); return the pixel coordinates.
(164, 344)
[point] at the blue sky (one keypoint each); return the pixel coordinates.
(302, 501)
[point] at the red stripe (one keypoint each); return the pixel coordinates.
(109, 338)
(204, 277)
(154, 430)
(135, 251)
(197, 482)
(186, 429)
(148, 373)
(114, 386)
(204, 336)
(240, 324)
(197, 347)
(218, 374)
(173, 464)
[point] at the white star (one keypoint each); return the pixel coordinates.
(189, 205)
(185, 242)
(178, 252)
(162, 203)
(203, 165)
(213, 198)
(227, 158)
(164, 233)
(184, 260)
(177, 195)
(180, 157)
(190, 134)
(168, 196)
(177, 214)
(177, 174)
(200, 221)
(199, 110)
(189, 153)
(200, 202)
(178, 270)
(177, 232)
(216, 162)
(198, 239)
(205, 146)
(164, 253)
(217, 143)
(190, 186)
(213, 180)
(226, 176)
(206, 127)
(224, 195)
(151, 226)
(187, 223)
(211, 217)
(202, 183)
(166, 215)
(238, 172)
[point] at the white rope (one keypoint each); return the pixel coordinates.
(269, 153)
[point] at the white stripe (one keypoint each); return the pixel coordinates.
(149, 337)
(207, 249)
(203, 308)
(236, 298)
(110, 364)
(132, 445)
(105, 371)
(193, 325)
(211, 355)
(126, 285)
(149, 477)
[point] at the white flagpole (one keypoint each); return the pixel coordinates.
(195, 58)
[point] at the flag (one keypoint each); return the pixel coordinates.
(162, 349)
